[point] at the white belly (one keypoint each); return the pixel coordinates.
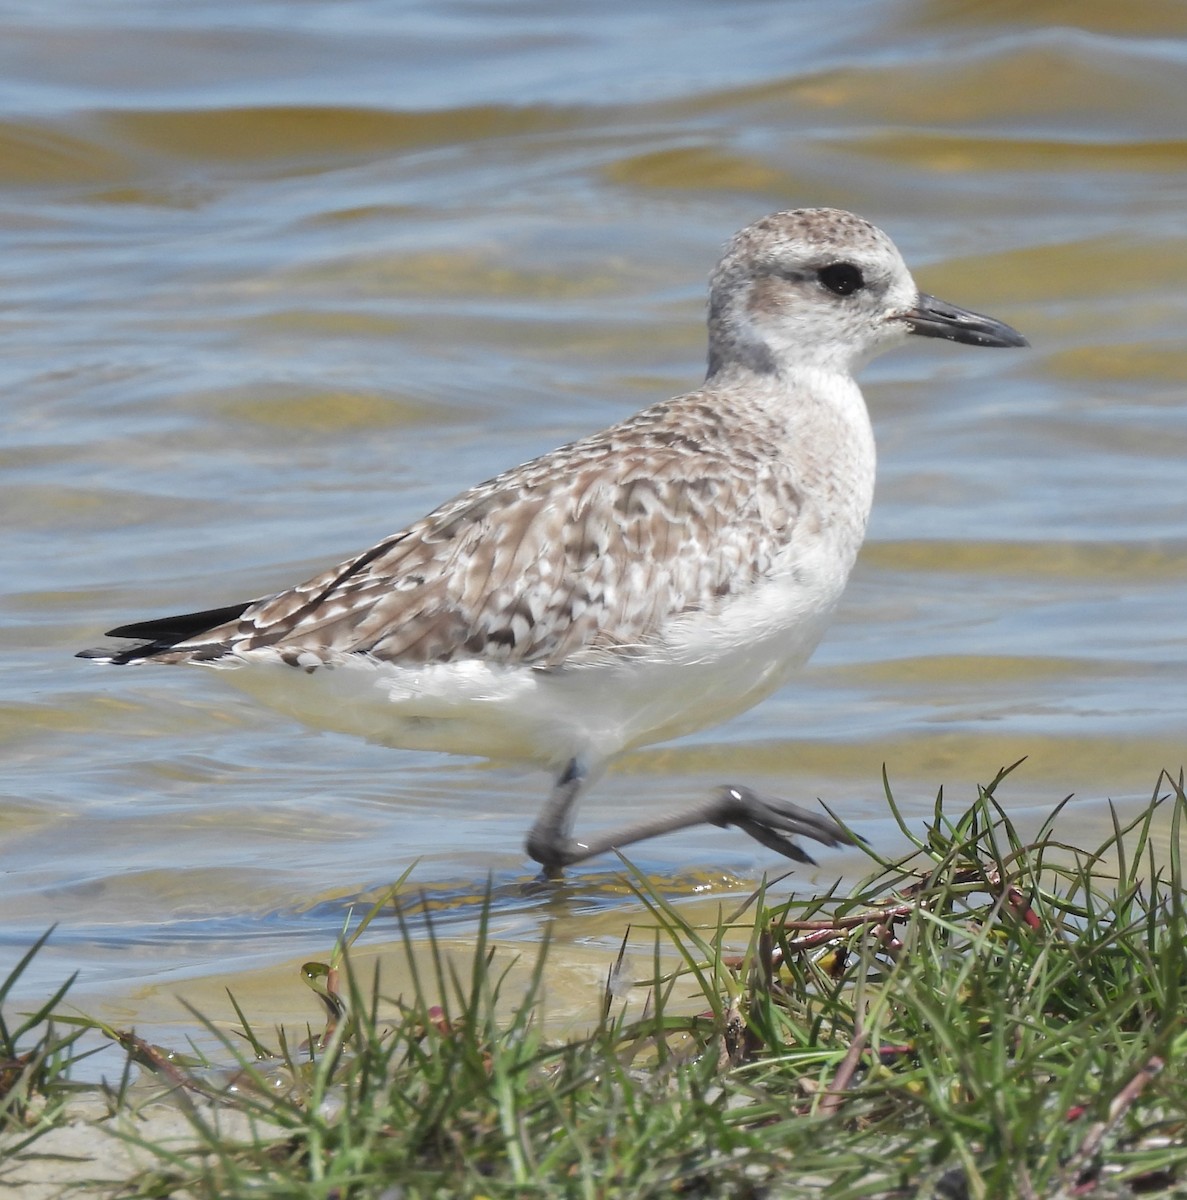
(706, 671)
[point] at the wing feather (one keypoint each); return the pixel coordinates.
(591, 549)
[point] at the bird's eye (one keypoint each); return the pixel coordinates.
(842, 279)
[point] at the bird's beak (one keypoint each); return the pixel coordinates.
(936, 318)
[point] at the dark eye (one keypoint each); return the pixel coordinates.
(841, 278)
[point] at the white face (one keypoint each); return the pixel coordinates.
(832, 310)
(817, 288)
(822, 288)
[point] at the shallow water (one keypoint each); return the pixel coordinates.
(279, 276)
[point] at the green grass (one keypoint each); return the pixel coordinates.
(983, 1018)
(35, 1062)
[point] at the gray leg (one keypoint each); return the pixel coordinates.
(549, 841)
(775, 823)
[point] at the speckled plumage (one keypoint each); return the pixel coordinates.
(590, 550)
(639, 583)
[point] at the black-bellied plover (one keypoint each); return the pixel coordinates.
(641, 583)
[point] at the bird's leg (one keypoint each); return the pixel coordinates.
(549, 841)
(773, 822)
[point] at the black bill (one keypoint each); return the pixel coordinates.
(936, 318)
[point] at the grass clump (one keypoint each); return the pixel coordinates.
(35, 1062)
(982, 1018)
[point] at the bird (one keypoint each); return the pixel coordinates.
(632, 586)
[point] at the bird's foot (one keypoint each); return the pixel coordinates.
(774, 822)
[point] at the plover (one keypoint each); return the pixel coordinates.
(641, 583)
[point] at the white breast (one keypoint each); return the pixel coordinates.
(702, 668)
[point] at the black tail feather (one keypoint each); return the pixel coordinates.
(170, 630)
(163, 633)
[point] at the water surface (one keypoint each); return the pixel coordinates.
(279, 276)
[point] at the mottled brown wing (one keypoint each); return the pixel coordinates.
(592, 548)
